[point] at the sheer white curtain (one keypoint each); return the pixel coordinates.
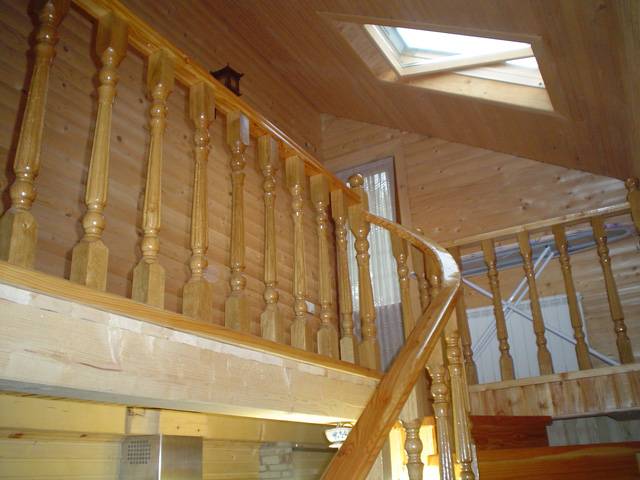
(379, 184)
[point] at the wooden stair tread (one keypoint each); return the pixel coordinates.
(499, 432)
(611, 460)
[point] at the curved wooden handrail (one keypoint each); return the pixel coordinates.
(358, 453)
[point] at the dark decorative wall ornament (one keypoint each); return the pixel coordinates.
(229, 78)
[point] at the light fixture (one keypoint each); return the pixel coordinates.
(337, 434)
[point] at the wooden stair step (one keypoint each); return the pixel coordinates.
(500, 431)
(577, 462)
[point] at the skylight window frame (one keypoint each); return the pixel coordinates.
(394, 49)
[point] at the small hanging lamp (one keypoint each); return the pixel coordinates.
(229, 78)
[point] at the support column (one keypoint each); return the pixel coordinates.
(413, 447)
(301, 336)
(148, 275)
(615, 307)
(197, 297)
(440, 392)
(544, 356)
(271, 322)
(582, 350)
(90, 256)
(506, 362)
(348, 348)
(18, 227)
(235, 307)
(327, 339)
(369, 350)
(461, 421)
(463, 325)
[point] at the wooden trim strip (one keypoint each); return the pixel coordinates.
(66, 290)
(567, 220)
(146, 40)
(556, 377)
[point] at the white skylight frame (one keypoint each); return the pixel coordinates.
(499, 65)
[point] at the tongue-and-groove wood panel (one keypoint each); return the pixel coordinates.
(69, 124)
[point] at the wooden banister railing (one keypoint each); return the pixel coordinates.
(357, 455)
(556, 229)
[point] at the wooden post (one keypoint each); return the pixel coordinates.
(633, 197)
(235, 308)
(18, 227)
(271, 322)
(148, 275)
(622, 340)
(582, 350)
(90, 256)
(413, 447)
(301, 335)
(461, 422)
(197, 296)
(440, 393)
(369, 350)
(506, 362)
(401, 254)
(327, 338)
(418, 259)
(544, 356)
(463, 326)
(348, 349)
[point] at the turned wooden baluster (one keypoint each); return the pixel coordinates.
(90, 256)
(235, 308)
(463, 325)
(413, 447)
(18, 227)
(582, 350)
(461, 421)
(301, 335)
(506, 362)
(400, 250)
(148, 275)
(544, 356)
(271, 322)
(197, 301)
(440, 392)
(633, 197)
(327, 337)
(418, 261)
(348, 349)
(369, 350)
(622, 340)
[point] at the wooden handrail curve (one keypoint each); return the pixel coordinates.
(358, 453)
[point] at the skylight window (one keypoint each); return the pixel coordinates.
(414, 53)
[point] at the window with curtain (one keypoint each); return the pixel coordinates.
(379, 184)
